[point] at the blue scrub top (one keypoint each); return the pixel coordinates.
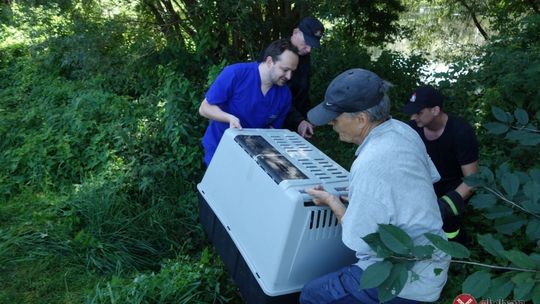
(237, 91)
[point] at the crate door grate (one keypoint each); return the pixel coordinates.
(321, 168)
(322, 224)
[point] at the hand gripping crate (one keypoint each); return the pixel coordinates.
(266, 229)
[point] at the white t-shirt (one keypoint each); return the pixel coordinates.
(391, 182)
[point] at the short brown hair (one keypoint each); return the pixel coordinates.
(277, 47)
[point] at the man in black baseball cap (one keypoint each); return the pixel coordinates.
(423, 97)
(451, 143)
(391, 183)
(305, 36)
(312, 29)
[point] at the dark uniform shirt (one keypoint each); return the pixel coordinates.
(457, 146)
(299, 86)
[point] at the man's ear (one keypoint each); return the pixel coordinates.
(436, 110)
(268, 61)
(362, 117)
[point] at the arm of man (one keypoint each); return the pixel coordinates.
(296, 121)
(453, 203)
(323, 198)
(216, 113)
(463, 189)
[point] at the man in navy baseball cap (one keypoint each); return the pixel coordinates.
(305, 36)
(352, 91)
(390, 183)
(313, 30)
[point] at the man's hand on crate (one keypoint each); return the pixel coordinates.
(323, 198)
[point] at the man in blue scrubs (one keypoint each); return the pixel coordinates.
(250, 95)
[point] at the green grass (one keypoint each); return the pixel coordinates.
(37, 264)
(43, 260)
(49, 279)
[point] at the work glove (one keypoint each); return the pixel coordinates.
(451, 204)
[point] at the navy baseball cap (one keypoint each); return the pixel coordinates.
(352, 91)
(423, 97)
(313, 30)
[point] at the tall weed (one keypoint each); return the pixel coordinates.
(182, 280)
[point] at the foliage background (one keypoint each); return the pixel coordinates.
(99, 143)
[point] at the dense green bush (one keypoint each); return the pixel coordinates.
(84, 115)
(182, 280)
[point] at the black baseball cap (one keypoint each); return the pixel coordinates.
(313, 30)
(423, 97)
(352, 91)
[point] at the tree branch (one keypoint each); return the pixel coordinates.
(525, 129)
(173, 17)
(494, 266)
(468, 263)
(475, 19)
(498, 194)
(161, 22)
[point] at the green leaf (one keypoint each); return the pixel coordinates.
(525, 138)
(423, 252)
(519, 259)
(491, 245)
(487, 174)
(483, 201)
(496, 128)
(375, 274)
(500, 288)
(522, 278)
(503, 169)
(535, 295)
(510, 224)
(535, 174)
(533, 230)
(455, 250)
(498, 212)
(374, 242)
(475, 180)
(521, 116)
(531, 207)
(522, 176)
(521, 291)
(510, 183)
(531, 139)
(532, 190)
(524, 282)
(395, 282)
(395, 239)
(477, 284)
(535, 257)
(499, 114)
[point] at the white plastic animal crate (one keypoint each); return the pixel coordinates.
(255, 186)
